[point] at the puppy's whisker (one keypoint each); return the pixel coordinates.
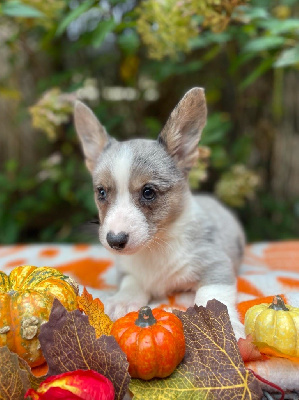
(160, 240)
(162, 245)
(148, 246)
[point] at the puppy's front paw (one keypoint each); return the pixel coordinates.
(119, 305)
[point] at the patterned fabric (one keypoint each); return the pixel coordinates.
(268, 269)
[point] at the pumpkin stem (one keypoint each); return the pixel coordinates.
(278, 304)
(145, 317)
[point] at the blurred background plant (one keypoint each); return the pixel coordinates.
(131, 61)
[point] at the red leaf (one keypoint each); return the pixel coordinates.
(248, 350)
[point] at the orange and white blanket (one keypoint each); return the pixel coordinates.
(268, 269)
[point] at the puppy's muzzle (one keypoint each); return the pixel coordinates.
(117, 241)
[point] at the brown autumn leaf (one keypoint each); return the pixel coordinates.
(34, 381)
(69, 343)
(14, 381)
(94, 309)
(212, 367)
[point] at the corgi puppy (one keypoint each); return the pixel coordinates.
(167, 239)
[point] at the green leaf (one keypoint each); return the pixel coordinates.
(277, 26)
(72, 15)
(129, 42)
(101, 31)
(240, 60)
(198, 42)
(288, 57)
(162, 71)
(241, 148)
(217, 126)
(249, 13)
(207, 38)
(264, 43)
(219, 157)
(257, 72)
(16, 9)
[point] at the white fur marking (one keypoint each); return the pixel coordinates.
(123, 215)
(226, 294)
(121, 170)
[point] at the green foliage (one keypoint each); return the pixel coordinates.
(271, 218)
(51, 111)
(72, 15)
(132, 61)
(237, 185)
(37, 205)
(288, 57)
(15, 8)
(167, 27)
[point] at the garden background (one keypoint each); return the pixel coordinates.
(131, 62)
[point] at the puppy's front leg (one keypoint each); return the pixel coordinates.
(130, 297)
(226, 294)
(219, 283)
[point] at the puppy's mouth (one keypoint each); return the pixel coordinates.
(122, 243)
(128, 250)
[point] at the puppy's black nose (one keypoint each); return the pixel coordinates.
(117, 241)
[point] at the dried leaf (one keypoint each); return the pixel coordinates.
(248, 350)
(267, 350)
(212, 367)
(14, 381)
(94, 309)
(69, 343)
(34, 381)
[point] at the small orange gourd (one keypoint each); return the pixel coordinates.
(26, 298)
(153, 341)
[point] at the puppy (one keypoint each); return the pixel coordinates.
(168, 240)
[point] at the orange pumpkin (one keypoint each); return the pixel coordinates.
(153, 341)
(26, 298)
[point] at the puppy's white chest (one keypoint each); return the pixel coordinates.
(160, 274)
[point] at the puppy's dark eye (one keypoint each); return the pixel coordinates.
(102, 194)
(148, 193)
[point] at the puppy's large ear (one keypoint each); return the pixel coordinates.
(92, 134)
(182, 132)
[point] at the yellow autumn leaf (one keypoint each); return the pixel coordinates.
(94, 309)
(271, 351)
